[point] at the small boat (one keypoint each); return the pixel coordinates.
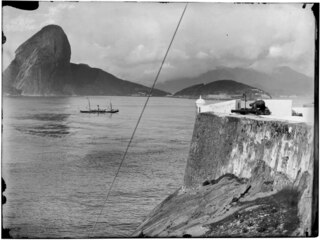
(98, 110)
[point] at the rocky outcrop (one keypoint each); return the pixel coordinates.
(42, 67)
(245, 176)
(41, 64)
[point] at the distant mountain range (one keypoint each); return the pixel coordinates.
(282, 81)
(42, 67)
(222, 89)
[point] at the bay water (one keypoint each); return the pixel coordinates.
(58, 163)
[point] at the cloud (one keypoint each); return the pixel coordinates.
(20, 24)
(142, 55)
(275, 51)
(202, 55)
(130, 39)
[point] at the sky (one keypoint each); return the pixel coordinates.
(129, 39)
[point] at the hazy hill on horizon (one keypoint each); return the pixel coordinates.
(222, 89)
(283, 81)
(42, 67)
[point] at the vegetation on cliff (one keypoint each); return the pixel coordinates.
(270, 216)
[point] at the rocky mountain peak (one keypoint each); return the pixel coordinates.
(40, 64)
(42, 67)
(50, 42)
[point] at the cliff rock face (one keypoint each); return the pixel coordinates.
(41, 63)
(245, 176)
(42, 67)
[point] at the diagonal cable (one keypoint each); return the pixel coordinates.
(144, 107)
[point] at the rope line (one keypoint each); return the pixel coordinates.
(135, 129)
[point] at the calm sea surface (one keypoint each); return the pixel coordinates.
(58, 164)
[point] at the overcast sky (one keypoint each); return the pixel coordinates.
(129, 40)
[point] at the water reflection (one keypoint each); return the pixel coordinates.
(58, 117)
(55, 125)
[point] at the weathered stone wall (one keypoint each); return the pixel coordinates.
(240, 145)
(246, 176)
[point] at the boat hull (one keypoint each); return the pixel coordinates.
(93, 111)
(99, 111)
(113, 111)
